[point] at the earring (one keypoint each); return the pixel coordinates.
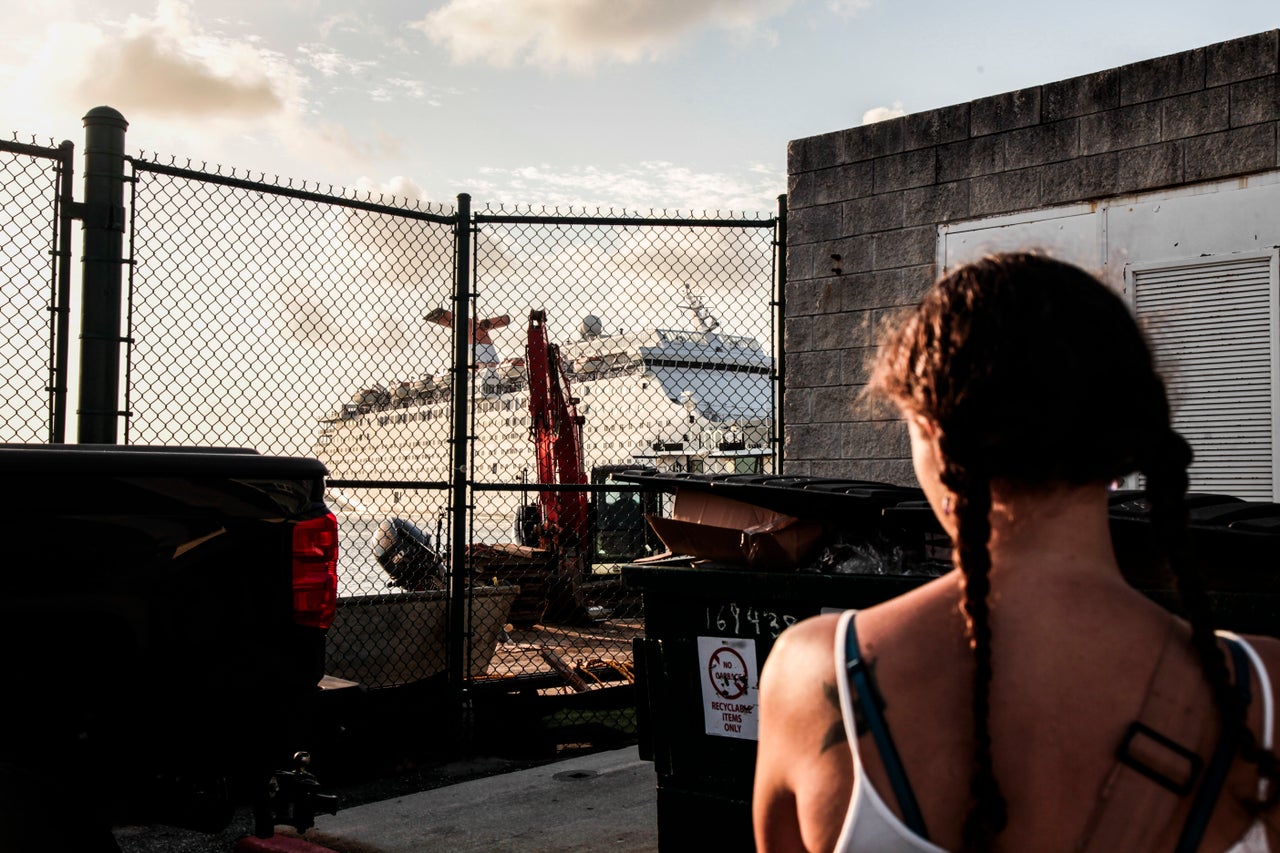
(946, 505)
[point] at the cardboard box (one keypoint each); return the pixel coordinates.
(735, 533)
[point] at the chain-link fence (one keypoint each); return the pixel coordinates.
(664, 341)
(405, 346)
(34, 288)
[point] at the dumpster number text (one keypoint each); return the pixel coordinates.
(729, 618)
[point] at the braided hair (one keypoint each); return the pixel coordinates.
(1036, 373)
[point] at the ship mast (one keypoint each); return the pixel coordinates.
(707, 324)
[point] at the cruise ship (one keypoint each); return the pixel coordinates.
(692, 399)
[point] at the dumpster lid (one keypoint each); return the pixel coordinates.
(803, 497)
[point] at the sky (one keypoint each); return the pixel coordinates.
(636, 105)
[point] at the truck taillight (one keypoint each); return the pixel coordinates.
(315, 571)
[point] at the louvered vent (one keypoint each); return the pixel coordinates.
(1212, 326)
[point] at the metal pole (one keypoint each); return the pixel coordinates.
(62, 297)
(780, 349)
(103, 263)
(458, 569)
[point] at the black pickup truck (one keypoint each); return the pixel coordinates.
(162, 627)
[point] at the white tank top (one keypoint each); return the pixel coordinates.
(870, 825)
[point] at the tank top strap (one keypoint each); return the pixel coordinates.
(872, 707)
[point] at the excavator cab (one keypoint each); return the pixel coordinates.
(620, 530)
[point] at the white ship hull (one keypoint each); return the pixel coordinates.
(672, 399)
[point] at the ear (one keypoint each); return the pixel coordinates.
(929, 429)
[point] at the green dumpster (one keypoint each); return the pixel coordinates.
(710, 624)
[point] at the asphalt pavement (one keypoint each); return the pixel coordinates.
(601, 801)
(597, 801)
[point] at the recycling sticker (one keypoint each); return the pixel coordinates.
(730, 683)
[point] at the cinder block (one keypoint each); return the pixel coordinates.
(1008, 111)
(836, 469)
(874, 213)
(1255, 101)
(1154, 79)
(812, 441)
(865, 406)
(1080, 179)
(878, 139)
(909, 169)
(935, 127)
(797, 334)
(879, 289)
(1149, 167)
(814, 152)
(1239, 59)
(836, 405)
(796, 405)
(1092, 93)
(970, 157)
(797, 468)
(1205, 111)
(1232, 152)
(814, 224)
(936, 204)
(812, 297)
(845, 256)
(897, 472)
(876, 440)
(1042, 143)
(903, 248)
(800, 260)
(1126, 127)
(1005, 192)
(916, 280)
(839, 330)
(816, 369)
(844, 182)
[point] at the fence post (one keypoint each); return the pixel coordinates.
(103, 263)
(780, 349)
(61, 321)
(458, 580)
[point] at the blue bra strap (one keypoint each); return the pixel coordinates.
(1216, 775)
(860, 678)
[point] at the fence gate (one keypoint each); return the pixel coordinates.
(400, 343)
(35, 208)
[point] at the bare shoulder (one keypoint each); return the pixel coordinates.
(805, 646)
(799, 725)
(798, 666)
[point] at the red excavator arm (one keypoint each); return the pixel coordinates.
(556, 431)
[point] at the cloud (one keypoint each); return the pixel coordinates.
(848, 8)
(644, 186)
(166, 66)
(582, 33)
(330, 63)
(876, 114)
(179, 81)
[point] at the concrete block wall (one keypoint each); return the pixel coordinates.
(864, 206)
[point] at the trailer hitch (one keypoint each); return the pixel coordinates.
(293, 798)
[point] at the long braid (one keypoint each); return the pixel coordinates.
(993, 356)
(987, 813)
(1166, 476)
